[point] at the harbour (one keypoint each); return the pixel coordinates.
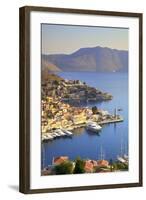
(84, 143)
(67, 132)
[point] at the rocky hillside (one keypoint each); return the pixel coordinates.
(88, 59)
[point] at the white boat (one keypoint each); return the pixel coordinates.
(125, 157)
(49, 137)
(44, 137)
(60, 132)
(92, 126)
(67, 132)
(57, 134)
(54, 135)
(122, 159)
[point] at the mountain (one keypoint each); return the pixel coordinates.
(89, 59)
(50, 66)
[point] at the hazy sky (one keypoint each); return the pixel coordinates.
(67, 39)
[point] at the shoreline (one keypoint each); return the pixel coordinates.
(71, 128)
(58, 115)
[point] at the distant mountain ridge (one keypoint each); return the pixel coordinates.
(100, 59)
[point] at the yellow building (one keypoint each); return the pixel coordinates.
(79, 119)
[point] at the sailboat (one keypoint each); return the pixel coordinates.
(102, 154)
(123, 158)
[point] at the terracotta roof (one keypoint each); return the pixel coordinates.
(94, 162)
(88, 166)
(59, 160)
(102, 163)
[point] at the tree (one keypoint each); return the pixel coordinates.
(64, 168)
(120, 166)
(111, 165)
(56, 82)
(79, 166)
(94, 110)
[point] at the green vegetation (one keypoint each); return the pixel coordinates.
(64, 168)
(56, 82)
(79, 166)
(111, 165)
(120, 166)
(94, 110)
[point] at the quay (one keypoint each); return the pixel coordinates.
(108, 121)
(54, 134)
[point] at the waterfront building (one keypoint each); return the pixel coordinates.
(88, 166)
(102, 163)
(59, 160)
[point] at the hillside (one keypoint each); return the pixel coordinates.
(89, 59)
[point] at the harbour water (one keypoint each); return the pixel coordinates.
(112, 139)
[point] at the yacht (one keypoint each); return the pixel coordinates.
(92, 126)
(54, 135)
(69, 133)
(57, 134)
(49, 137)
(60, 132)
(123, 159)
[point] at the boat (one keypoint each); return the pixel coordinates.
(54, 135)
(60, 132)
(69, 133)
(44, 137)
(120, 109)
(92, 126)
(49, 137)
(122, 159)
(57, 134)
(125, 156)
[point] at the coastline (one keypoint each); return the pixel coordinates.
(71, 128)
(58, 111)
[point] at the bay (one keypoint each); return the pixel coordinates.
(113, 138)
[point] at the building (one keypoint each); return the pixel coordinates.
(90, 165)
(102, 163)
(59, 160)
(104, 112)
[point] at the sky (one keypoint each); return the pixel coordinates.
(67, 39)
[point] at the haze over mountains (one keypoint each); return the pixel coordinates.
(98, 59)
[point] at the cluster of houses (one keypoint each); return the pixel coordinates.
(72, 90)
(56, 114)
(56, 109)
(90, 166)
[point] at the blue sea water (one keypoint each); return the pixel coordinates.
(113, 138)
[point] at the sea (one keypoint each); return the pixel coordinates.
(112, 140)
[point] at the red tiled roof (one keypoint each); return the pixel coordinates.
(94, 162)
(59, 160)
(102, 163)
(88, 166)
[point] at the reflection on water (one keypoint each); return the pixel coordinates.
(78, 131)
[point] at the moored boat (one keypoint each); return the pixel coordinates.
(69, 133)
(60, 132)
(123, 159)
(92, 126)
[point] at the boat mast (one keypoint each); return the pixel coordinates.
(115, 112)
(121, 148)
(101, 153)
